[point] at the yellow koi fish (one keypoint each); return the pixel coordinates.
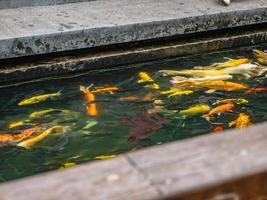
(242, 121)
(192, 72)
(229, 63)
(67, 165)
(41, 113)
(261, 56)
(145, 78)
(16, 124)
(30, 142)
(222, 85)
(110, 89)
(176, 92)
(102, 157)
(38, 98)
(195, 110)
(237, 101)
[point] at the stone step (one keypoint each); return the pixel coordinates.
(47, 29)
(4, 4)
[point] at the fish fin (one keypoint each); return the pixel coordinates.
(59, 93)
(210, 91)
(207, 117)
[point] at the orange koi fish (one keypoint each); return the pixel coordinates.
(91, 108)
(110, 89)
(222, 85)
(218, 129)
(8, 137)
(242, 121)
(218, 110)
(252, 90)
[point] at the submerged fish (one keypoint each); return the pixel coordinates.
(16, 124)
(221, 85)
(180, 80)
(192, 72)
(38, 98)
(67, 165)
(176, 92)
(195, 110)
(261, 56)
(220, 109)
(91, 108)
(254, 90)
(236, 100)
(30, 142)
(41, 113)
(218, 129)
(103, 157)
(137, 98)
(242, 121)
(109, 89)
(246, 70)
(145, 78)
(13, 138)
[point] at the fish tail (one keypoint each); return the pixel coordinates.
(59, 93)
(207, 117)
(83, 89)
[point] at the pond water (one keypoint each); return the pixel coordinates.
(125, 110)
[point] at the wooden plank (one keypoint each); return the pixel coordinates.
(205, 161)
(113, 179)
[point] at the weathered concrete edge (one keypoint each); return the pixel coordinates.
(4, 4)
(95, 37)
(91, 61)
(136, 175)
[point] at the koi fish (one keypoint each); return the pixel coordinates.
(16, 124)
(176, 92)
(67, 165)
(251, 90)
(103, 157)
(192, 72)
(242, 121)
(246, 70)
(195, 110)
(221, 85)
(136, 98)
(6, 138)
(38, 98)
(237, 101)
(145, 78)
(222, 108)
(91, 108)
(218, 129)
(30, 142)
(229, 63)
(179, 80)
(41, 113)
(110, 89)
(261, 56)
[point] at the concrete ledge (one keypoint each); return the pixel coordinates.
(4, 4)
(38, 30)
(172, 170)
(80, 62)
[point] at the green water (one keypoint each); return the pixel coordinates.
(120, 126)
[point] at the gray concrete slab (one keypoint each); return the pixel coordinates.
(45, 29)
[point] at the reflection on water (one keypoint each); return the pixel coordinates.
(56, 124)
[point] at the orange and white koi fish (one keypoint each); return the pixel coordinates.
(38, 98)
(220, 109)
(237, 101)
(109, 89)
(91, 108)
(30, 142)
(145, 78)
(10, 138)
(242, 121)
(246, 70)
(254, 90)
(261, 56)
